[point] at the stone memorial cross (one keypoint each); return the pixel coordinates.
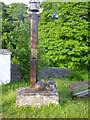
(40, 93)
(34, 16)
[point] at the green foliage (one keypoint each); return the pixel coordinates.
(16, 35)
(79, 75)
(75, 76)
(67, 108)
(17, 11)
(62, 35)
(22, 51)
(65, 39)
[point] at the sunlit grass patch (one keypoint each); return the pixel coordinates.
(67, 108)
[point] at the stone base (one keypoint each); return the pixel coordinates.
(29, 97)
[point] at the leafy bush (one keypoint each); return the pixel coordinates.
(75, 76)
(78, 75)
(63, 33)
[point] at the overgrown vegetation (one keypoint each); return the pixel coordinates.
(62, 35)
(62, 42)
(67, 108)
(16, 35)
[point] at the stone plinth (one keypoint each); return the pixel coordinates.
(30, 97)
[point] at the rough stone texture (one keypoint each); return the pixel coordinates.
(54, 72)
(15, 72)
(40, 85)
(46, 72)
(30, 97)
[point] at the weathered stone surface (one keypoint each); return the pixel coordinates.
(15, 73)
(40, 86)
(46, 72)
(33, 72)
(34, 98)
(54, 72)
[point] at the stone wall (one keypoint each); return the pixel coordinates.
(54, 72)
(45, 73)
(15, 72)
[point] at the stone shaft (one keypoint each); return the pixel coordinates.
(34, 18)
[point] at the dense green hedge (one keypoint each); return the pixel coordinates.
(63, 33)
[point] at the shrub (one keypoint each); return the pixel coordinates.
(78, 76)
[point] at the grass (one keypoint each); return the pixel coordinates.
(67, 108)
